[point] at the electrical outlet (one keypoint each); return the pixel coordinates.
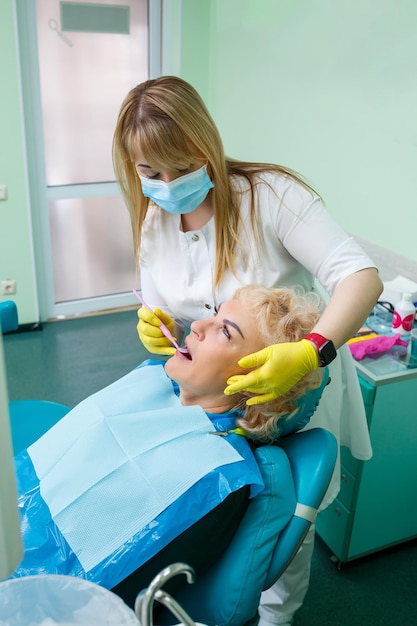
(8, 287)
(3, 192)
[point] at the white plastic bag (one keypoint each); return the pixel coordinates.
(54, 600)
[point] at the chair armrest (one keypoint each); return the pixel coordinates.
(312, 455)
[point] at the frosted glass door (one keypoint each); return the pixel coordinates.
(92, 249)
(90, 55)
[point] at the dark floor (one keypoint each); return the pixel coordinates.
(377, 590)
(68, 360)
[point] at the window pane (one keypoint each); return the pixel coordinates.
(85, 73)
(92, 248)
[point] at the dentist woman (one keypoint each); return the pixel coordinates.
(203, 225)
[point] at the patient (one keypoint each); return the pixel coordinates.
(256, 317)
(107, 496)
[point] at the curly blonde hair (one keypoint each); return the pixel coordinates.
(281, 315)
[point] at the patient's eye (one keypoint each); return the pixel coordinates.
(224, 327)
(226, 332)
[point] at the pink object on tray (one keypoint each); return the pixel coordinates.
(376, 345)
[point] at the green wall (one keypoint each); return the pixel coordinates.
(196, 45)
(16, 256)
(327, 88)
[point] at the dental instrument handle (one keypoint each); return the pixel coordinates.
(162, 326)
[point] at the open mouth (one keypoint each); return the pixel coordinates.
(184, 354)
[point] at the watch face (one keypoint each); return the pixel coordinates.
(327, 353)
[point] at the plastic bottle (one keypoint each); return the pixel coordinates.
(404, 312)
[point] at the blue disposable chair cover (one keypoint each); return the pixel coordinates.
(55, 546)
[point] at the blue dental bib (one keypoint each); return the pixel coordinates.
(121, 475)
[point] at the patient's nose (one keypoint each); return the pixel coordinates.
(199, 328)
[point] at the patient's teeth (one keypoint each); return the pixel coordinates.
(184, 354)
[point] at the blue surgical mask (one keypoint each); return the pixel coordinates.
(182, 195)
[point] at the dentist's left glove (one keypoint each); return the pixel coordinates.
(278, 368)
(151, 335)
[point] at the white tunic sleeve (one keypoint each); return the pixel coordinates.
(308, 232)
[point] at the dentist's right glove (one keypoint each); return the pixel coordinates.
(278, 368)
(151, 335)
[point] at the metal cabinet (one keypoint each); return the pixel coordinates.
(377, 503)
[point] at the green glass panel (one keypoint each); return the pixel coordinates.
(94, 18)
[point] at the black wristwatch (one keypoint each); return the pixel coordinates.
(327, 351)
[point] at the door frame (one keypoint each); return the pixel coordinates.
(160, 13)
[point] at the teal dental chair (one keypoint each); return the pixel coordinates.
(29, 419)
(296, 474)
(8, 316)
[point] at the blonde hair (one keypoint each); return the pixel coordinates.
(167, 119)
(280, 315)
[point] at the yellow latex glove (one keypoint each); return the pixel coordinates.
(151, 335)
(278, 368)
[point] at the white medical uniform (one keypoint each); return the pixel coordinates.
(299, 244)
